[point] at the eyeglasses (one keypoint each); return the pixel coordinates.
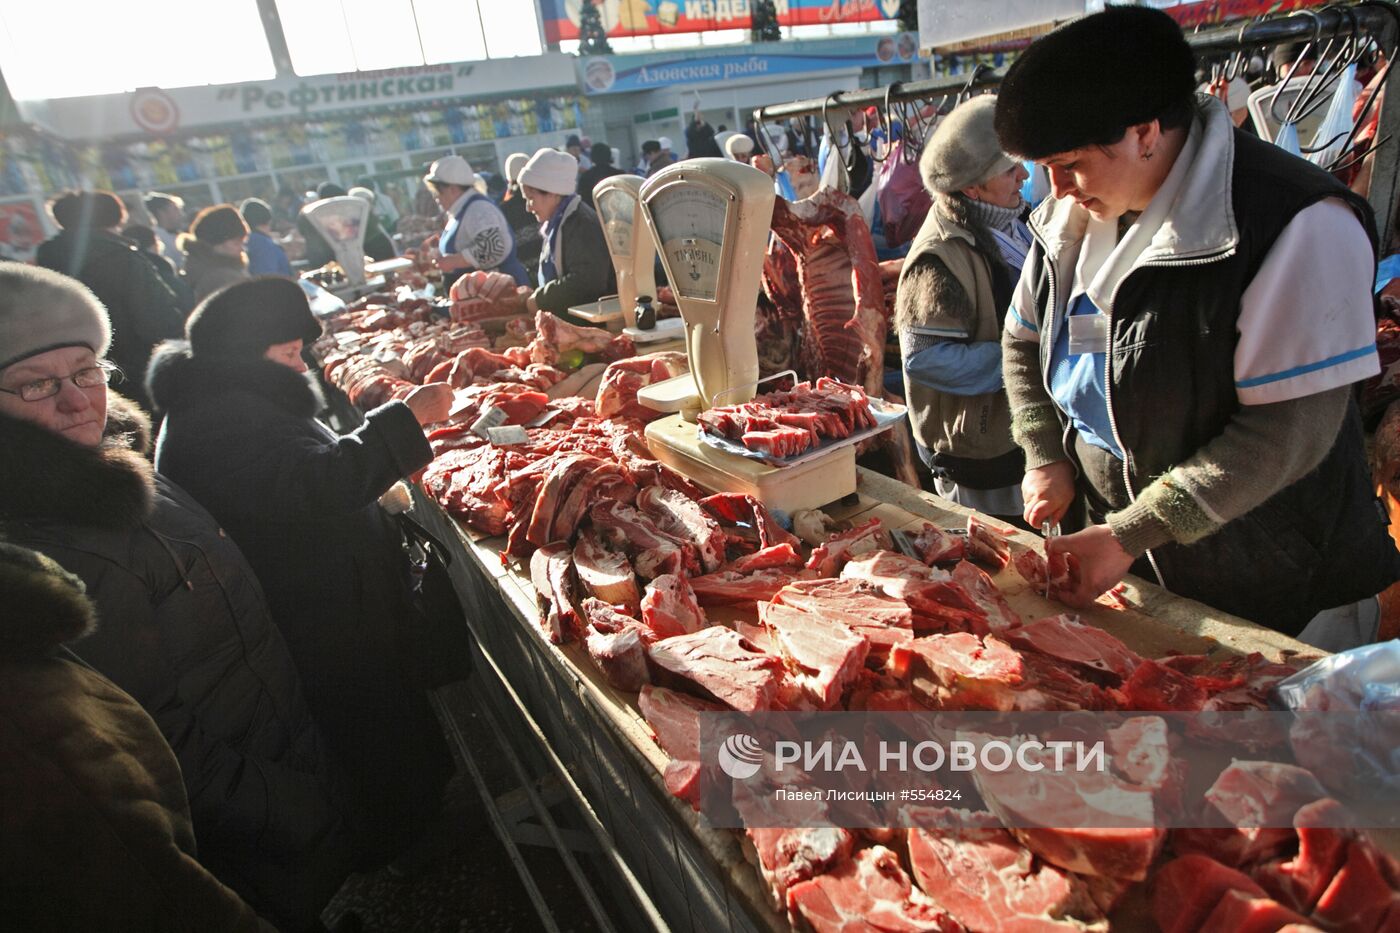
(89, 377)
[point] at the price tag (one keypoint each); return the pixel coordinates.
(543, 418)
(509, 434)
(492, 417)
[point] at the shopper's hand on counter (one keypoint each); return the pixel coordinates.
(1102, 563)
(430, 403)
(1047, 492)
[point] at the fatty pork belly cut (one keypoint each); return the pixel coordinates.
(622, 380)
(722, 665)
(822, 655)
(870, 892)
(675, 718)
(669, 607)
(617, 644)
(606, 574)
(990, 882)
(882, 621)
(682, 517)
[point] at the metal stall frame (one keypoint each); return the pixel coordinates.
(1378, 17)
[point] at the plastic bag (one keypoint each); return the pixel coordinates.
(1347, 724)
(904, 202)
(1336, 124)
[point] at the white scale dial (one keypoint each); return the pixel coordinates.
(690, 224)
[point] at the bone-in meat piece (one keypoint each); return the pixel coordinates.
(606, 574)
(721, 664)
(669, 607)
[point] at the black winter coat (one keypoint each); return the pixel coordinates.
(586, 272)
(184, 629)
(144, 311)
(302, 504)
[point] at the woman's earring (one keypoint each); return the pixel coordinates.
(1146, 156)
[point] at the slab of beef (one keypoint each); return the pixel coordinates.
(555, 336)
(1085, 646)
(617, 644)
(557, 484)
(777, 556)
(939, 603)
(986, 595)
(1187, 889)
(986, 545)
(959, 671)
(682, 517)
(936, 546)
(1154, 686)
(675, 718)
(1241, 912)
(726, 587)
(870, 892)
(1051, 576)
(617, 393)
(1258, 801)
(739, 508)
(882, 621)
(844, 321)
(828, 558)
(463, 480)
(653, 550)
(990, 882)
(551, 572)
(669, 607)
(1050, 684)
(721, 664)
(479, 295)
(823, 655)
(789, 856)
(606, 574)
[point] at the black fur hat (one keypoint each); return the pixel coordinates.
(1091, 79)
(245, 318)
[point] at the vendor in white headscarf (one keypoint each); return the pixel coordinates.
(477, 235)
(574, 265)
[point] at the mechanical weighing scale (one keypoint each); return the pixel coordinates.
(618, 202)
(341, 221)
(711, 218)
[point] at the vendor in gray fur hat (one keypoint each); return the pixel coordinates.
(953, 293)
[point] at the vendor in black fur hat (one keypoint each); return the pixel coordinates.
(1182, 341)
(182, 623)
(241, 434)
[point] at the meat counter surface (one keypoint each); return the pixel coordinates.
(700, 877)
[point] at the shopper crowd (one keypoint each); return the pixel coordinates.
(206, 684)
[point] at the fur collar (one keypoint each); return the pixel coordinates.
(46, 478)
(44, 605)
(178, 380)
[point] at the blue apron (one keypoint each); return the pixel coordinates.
(511, 265)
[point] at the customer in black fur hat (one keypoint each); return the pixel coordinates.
(1180, 348)
(184, 627)
(241, 434)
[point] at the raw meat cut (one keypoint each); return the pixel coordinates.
(739, 508)
(828, 558)
(1187, 889)
(1155, 687)
(1051, 576)
(936, 546)
(870, 892)
(675, 718)
(1323, 843)
(1258, 800)
(1051, 685)
(1361, 895)
(606, 574)
(556, 336)
(617, 644)
(824, 656)
(683, 518)
(883, 621)
(461, 481)
(551, 572)
(722, 664)
(653, 551)
(1085, 646)
(1238, 912)
(987, 545)
(669, 607)
(990, 882)
(617, 393)
(726, 586)
(779, 555)
(478, 295)
(939, 604)
(959, 671)
(786, 423)
(984, 593)
(788, 856)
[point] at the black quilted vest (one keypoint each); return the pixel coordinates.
(1317, 544)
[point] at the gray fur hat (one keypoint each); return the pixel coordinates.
(963, 150)
(42, 310)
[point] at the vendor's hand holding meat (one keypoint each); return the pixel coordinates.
(1102, 564)
(430, 403)
(1165, 336)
